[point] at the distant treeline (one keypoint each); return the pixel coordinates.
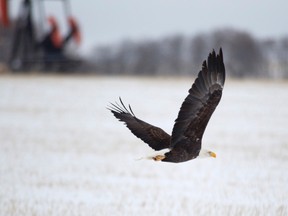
(244, 55)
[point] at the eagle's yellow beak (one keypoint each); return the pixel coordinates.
(212, 154)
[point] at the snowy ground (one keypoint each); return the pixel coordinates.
(62, 153)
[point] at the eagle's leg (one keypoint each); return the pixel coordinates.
(158, 157)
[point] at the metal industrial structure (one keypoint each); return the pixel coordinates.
(36, 42)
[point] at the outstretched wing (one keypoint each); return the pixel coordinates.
(155, 137)
(203, 98)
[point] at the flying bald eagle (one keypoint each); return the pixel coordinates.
(185, 142)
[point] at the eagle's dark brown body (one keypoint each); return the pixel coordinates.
(193, 117)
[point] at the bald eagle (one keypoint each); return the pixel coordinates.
(185, 142)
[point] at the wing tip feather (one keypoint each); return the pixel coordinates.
(120, 108)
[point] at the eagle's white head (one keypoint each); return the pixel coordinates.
(206, 153)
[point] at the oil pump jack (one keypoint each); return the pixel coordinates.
(35, 48)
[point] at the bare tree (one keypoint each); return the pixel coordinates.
(172, 58)
(147, 58)
(245, 56)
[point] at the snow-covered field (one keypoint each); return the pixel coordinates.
(63, 153)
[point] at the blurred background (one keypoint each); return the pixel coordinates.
(143, 37)
(61, 63)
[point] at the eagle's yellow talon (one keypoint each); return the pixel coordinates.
(158, 157)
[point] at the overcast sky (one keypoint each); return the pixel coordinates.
(110, 21)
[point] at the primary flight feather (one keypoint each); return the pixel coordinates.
(193, 117)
